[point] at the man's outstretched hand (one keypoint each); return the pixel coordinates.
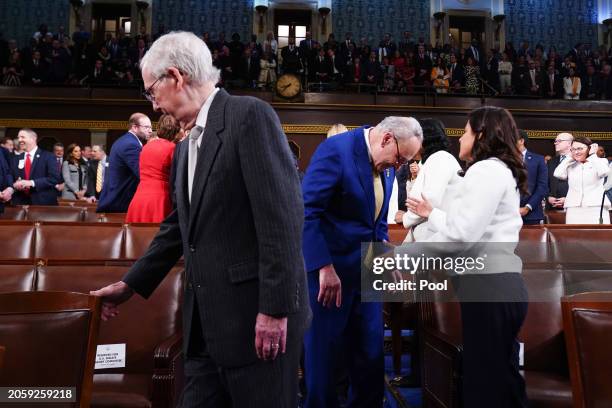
(112, 296)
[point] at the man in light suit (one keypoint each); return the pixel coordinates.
(34, 173)
(238, 222)
(537, 180)
(123, 173)
(346, 190)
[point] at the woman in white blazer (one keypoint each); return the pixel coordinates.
(494, 298)
(438, 179)
(585, 174)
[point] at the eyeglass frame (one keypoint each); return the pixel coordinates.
(399, 159)
(557, 141)
(578, 149)
(147, 92)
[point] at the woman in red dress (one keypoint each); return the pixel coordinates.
(152, 201)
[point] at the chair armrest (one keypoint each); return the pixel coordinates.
(167, 382)
(167, 351)
(441, 367)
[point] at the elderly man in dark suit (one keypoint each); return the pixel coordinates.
(123, 174)
(34, 173)
(238, 223)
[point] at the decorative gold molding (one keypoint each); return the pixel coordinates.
(287, 128)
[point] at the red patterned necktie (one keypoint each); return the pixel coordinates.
(28, 166)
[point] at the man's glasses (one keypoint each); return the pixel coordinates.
(399, 159)
(557, 141)
(147, 92)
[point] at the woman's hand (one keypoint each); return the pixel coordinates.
(421, 207)
(593, 149)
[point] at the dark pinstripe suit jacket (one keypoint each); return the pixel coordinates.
(241, 235)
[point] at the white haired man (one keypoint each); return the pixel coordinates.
(346, 190)
(238, 223)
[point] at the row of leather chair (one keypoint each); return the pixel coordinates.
(65, 212)
(150, 329)
(23, 240)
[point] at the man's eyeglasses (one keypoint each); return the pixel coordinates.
(399, 159)
(557, 141)
(147, 92)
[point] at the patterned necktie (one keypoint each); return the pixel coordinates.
(28, 166)
(99, 177)
(194, 134)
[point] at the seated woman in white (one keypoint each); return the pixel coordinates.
(438, 179)
(585, 174)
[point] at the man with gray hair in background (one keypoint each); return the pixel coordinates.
(346, 190)
(237, 221)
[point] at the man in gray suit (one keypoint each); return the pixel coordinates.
(238, 222)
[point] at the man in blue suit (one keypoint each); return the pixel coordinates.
(34, 173)
(5, 182)
(123, 174)
(537, 180)
(346, 197)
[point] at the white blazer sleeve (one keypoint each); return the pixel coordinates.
(438, 172)
(561, 169)
(600, 165)
(482, 193)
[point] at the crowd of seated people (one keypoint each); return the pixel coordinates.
(405, 66)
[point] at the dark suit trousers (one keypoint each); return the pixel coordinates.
(491, 325)
(264, 384)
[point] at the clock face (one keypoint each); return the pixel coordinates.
(288, 86)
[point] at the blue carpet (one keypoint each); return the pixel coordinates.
(409, 397)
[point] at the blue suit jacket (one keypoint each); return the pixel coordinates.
(339, 205)
(45, 175)
(5, 177)
(122, 175)
(537, 179)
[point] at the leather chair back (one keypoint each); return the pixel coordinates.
(137, 239)
(14, 213)
(141, 324)
(79, 241)
(587, 320)
(55, 213)
(17, 240)
(542, 331)
(50, 340)
(533, 246)
(17, 278)
(581, 246)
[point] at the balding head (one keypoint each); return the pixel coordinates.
(563, 143)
